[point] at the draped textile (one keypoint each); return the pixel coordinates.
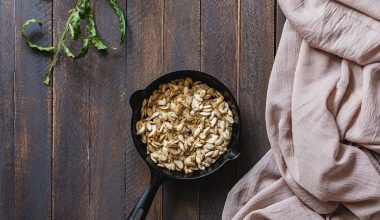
(322, 118)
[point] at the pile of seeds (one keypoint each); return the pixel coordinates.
(186, 125)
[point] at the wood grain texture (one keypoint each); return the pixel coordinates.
(32, 116)
(66, 151)
(108, 119)
(181, 51)
(108, 112)
(108, 126)
(256, 59)
(280, 21)
(71, 130)
(220, 36)
(144, 64)
(7, 145)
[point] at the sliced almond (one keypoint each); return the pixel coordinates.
(140, 127)
(186, 125)
(161, 102)
(179, 164)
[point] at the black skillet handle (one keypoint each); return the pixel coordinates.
(141, 209)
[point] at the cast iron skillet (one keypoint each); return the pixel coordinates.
(160, 175)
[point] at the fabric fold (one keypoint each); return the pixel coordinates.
(322, 118)
(337, 28)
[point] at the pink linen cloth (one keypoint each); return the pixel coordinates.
(322, 117)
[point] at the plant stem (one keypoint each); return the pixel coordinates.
(81, 11)
(58, 47)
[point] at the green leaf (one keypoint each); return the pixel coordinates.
(82, 11)
(86, 44)
(27, 41)
(92, 33)
(68, 52)
(83, 51)
(71, 29)
(50, 69)
(90, 23)
(74, 25)
(47, 79)
(120, 14)
(85, 6)
(98, 43)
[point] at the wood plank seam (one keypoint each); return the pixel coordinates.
(52, 124)
(238, 52)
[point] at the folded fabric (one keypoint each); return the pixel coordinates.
(322, 118)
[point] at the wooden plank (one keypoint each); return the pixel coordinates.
(71, 130)
(280, 21)
(256, 59)
(220, 39)
(7, 145)
(108, 116)
(32, 116)
(144, 64)
(32, 119)
(181, 51)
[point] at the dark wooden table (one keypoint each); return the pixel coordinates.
(66, 150)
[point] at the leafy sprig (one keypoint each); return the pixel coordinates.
(81, 11)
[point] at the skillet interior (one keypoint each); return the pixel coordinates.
(233, 146)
